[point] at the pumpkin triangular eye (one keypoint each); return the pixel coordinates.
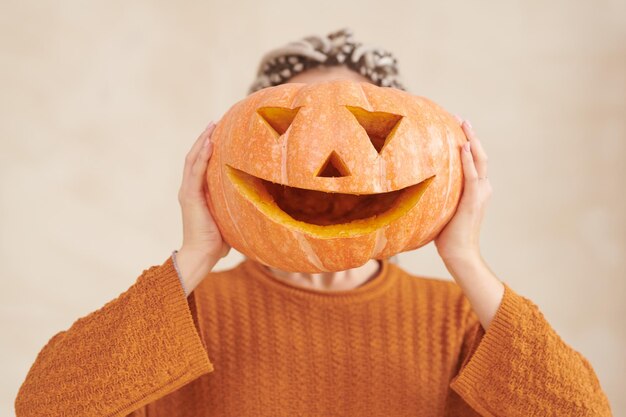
(333, 167)
(379, 125)
(279, 118)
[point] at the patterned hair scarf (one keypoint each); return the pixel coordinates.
(338, 48)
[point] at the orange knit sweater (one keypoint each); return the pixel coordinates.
(246, 344)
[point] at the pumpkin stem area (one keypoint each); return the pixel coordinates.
(326, 214)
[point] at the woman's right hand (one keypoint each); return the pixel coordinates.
(203, 244)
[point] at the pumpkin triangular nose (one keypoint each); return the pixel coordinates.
(333, 167)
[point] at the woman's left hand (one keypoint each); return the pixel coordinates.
(460, 238)
(458, 243)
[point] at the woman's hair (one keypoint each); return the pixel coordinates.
(337, 48)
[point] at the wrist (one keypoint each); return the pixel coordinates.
(192, 266)
(462, 259)
(199, 253)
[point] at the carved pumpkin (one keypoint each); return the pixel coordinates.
(324, 177)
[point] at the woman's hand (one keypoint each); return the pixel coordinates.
(460, 239)
(202, 244)
(458, 243)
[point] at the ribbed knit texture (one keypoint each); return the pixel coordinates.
(246, 344)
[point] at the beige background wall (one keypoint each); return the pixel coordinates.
(102, 100)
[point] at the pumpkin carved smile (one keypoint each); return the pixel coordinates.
(326, 214)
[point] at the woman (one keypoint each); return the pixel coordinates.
(370, 341)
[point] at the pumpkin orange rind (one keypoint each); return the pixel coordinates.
(385, 165)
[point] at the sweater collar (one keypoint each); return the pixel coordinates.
(374, 287)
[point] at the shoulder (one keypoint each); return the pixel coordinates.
(438, 301)
(439, 286)
(227, 280)
(435, 292)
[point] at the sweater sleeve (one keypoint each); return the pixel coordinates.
(135, 349)
(521, 367)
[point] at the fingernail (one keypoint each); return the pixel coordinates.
(207, 142)
(209, 126)
(466, 146)
(469, 124)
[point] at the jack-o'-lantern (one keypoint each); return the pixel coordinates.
(324, 177)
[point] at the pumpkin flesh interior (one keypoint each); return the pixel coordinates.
(323, 214)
